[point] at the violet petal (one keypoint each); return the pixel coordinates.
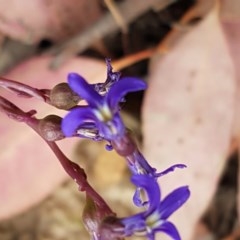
(169, 229)
(86, 91)
(173, 201)
(152, 189)
(75, 118)
(121, 88)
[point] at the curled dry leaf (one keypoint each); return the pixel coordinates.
(29, 171)
(33, 20)
(188, 116)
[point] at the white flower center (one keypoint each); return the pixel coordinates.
(153, 221)
(104, 114)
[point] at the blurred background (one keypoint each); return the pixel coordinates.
(188, 52)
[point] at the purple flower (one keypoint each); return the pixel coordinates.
(101, 115)
(139, 166)
(154, 219)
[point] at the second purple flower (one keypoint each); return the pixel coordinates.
(102, 112)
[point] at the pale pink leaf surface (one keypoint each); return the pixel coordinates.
(188, 116)
(33, 20)
(29, 171)
(230, 22)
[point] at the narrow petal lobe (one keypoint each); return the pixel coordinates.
(86, 91)
(170, 230)
(152, 189)
(122, 87)
(174, 201)
(74, 119)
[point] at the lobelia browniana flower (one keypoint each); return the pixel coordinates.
(101, 115)
(155, 218)
(138, 165)
(100, 120)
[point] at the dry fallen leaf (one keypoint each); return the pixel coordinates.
(29, 171)
(33, 20)
(188, 116)
(230, 22)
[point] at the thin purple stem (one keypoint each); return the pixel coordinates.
(14, 112)
(24, 90)
(74, 170)
(79, 176)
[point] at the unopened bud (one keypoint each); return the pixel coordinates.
(62, 97)
(91, 218)
(124, 146)
(111, 228)
(93, 215)
(50, 128)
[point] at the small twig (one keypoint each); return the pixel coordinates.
(197, 11)
(130, 10)
(116, 15)
(133, 58)
(13, 52)
(121, 23)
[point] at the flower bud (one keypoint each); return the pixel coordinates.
(124, 146)
(62, 97)
(50, 128)
(111, 228)
(93, 215)
(90, 217)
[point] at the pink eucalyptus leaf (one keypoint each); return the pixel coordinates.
(33, 20)
(230, 22)
(29, 171)
(188, 116)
